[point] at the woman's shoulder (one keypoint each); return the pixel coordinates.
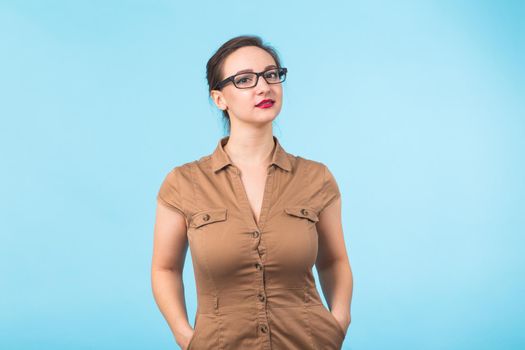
(309, 164)
(180, 171)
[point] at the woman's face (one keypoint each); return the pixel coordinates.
(241, 103)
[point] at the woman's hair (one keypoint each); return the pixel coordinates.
(216, 62)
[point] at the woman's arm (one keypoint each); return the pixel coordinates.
(170, 245)
(333, 266)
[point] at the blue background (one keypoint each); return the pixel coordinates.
(417, 107)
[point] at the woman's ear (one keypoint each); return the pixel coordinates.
(219, 99)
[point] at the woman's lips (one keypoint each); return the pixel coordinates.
(265, 104)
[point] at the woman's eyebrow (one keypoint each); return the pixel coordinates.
(251, 70)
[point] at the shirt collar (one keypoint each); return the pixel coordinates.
(219, 157)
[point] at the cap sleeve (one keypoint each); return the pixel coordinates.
(170, 192)
(330, 188)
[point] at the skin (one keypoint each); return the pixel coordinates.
(250, 147)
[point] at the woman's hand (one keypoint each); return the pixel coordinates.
(184, 340)
(343, 319)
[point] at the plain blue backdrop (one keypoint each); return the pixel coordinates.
(417, 107)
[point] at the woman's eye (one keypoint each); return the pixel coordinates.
(242, 80)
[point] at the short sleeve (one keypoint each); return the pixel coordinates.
(330, 188)
(169, 193)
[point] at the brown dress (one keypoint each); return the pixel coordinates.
(255, 287)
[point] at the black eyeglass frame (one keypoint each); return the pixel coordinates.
(281, 71)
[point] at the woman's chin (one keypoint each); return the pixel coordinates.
(265, 118)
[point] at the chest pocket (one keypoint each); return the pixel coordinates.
(302, 212)
(208, 216)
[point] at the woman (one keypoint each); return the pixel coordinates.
(256, 219)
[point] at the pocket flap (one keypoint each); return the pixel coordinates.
(208, 216)
(302, 212)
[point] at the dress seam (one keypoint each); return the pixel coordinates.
(306, 310)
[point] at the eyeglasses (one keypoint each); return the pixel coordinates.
(249, 80)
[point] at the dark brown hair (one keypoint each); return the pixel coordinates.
(216, 62)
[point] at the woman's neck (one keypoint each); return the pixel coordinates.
(247, 150)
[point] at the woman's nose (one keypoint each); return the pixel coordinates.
(262, 85)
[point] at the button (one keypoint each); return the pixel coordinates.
(261, 297)
(264, 328)
(304, 211)
(255, 234)
(258, 266)
(206, 217)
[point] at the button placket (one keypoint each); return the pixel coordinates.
(259, 248)
(262, 306)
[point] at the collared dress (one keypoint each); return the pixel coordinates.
(254, 281)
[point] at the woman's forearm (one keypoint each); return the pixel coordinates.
(337, 283)
(168, 291)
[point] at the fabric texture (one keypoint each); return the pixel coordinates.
(254, 281)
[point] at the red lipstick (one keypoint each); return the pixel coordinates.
(265, 103)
